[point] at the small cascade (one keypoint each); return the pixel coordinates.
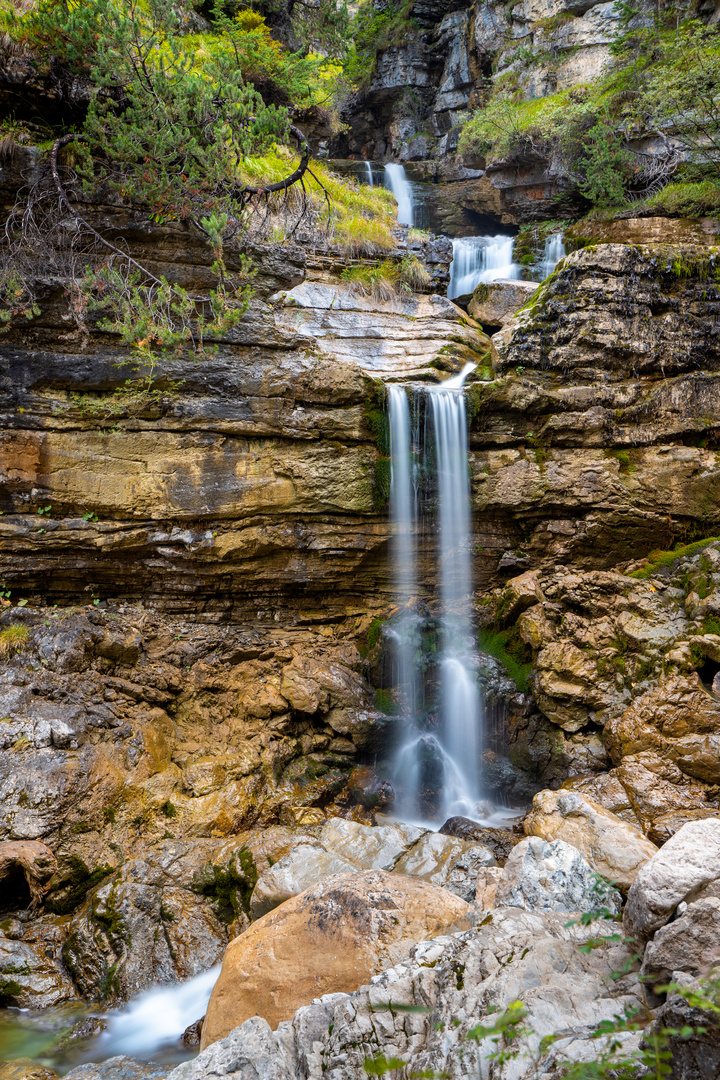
(554, 252)
(396, 180)
(441, 759)
(156, 1018)
(369, 174)
(481, 258)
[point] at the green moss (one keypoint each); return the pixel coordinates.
(79, 881)
(667, 558)
(168, 809)
(230, 887)
(508, 647)
(625, 458)
(385, 702)
(711, 625)
(10, 992)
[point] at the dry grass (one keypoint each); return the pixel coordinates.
(13, 640)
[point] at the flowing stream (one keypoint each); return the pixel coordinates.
(396, 180)
(451, 752)
(481, 258)
(368, 173)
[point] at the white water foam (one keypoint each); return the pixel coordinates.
(554, 252)
(368, 173)
(481, 258)
(157, 1017)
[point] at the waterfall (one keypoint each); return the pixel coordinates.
(554, 252)
(399, 184)
(460, 701)
(481, 258)
(446, 760)
(368, 170)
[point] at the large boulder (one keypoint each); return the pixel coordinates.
(689, 944)
(442, 990)
(494, 304)
(332, 937)
(615, 849)
(687, 864)
(542, 876)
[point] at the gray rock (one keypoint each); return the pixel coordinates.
(461, 977)
(687, 863)
(120, 1068)
(542, 876)
(690, 944)
(29, 979)
(250, 1052)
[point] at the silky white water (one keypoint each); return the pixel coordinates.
(400, 186)
(481, 258)
(157, 1017)
(554, 252)
(450, 756)
(459, 697)
(368, 173)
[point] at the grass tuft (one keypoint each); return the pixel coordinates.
(13, 640)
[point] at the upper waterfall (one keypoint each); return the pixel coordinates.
(402, 190)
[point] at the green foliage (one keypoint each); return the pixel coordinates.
(168, 809)
(385, 702)
(374, 29)
(660, 74)
(507, 647)
(667, 558)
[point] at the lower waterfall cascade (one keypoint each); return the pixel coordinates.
(453, 746)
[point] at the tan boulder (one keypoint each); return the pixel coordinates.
(678, 720)
(615, 849)
(332, 937)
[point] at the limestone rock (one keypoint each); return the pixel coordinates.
(499, 841)
(120, 1068)
(495, 303)
(30, 979)
(679, 720)
(688, 862)
(542, 876)
(304, 866)
(402, 337)
(461, 976)
(25, 1069)
(489, 880)
(345, 846)
(691, 943)
(445, 860)
(614, 849)
(331, 938)
(34, 861)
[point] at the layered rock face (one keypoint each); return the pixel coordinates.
(424, 86)
(603, 416)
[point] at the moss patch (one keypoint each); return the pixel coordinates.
(666, 558)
